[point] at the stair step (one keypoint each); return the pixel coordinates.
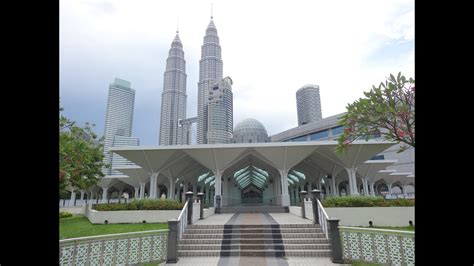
(263, 246)
(251, 226)
(256, 253)
(254, 230)
(259, 235)
(256, 240)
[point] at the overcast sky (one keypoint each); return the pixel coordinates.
(270, 49)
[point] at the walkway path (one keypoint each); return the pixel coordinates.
(254, 261)
(254, 218)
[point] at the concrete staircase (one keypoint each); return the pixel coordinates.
(307, 240)
(254, 209)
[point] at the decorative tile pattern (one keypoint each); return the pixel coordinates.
(122, 245)
(367, 250)
(95, 252)
(81, 254)
(115, 249)
(109, 252)
(408, 246)
(67, 253)
(133, 255)
(380, 249)
(394, 250)
(354, 247)
(385, 247)
(145, 249)
(345, 244)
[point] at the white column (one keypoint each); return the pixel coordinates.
(225, 198)
(217, 186)
(351, 172)
(73, 196)
(372, 188)
(171, 188)
(285, 198)
(333, 184)
(390, 188)
(208, 195)
(82, 194)
(142, 190)
(153, 185)
(366, 187)
(136, 191)
(405, 190)
(104, 194)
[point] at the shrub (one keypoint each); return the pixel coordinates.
(143, 204)
(365, 201)
(64, 215)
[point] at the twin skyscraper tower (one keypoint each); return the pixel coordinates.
(215, 101)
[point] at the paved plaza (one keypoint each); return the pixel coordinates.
(254, 218)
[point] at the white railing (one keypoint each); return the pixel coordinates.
(115, 249)
(388, 247)
(323, 219)
(78, 202)
(183, 220)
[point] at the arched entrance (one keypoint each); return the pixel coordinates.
(251, 195)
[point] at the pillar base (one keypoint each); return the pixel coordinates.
(285, 200)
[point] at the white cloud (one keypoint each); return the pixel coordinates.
(269, 48)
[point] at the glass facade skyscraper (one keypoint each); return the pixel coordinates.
(210, 72)
(220, 112)
(118, 117)
(173, 98)
(308, 104)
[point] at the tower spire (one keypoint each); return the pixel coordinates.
(177, 25)
(211, 10)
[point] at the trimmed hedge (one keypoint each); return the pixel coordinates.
(64, 215)
(366, 201)
(143, 204)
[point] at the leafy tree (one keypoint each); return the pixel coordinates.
(388, 109)
(80, 155)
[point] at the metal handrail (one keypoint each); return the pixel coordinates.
(183, 220)
(185, 207)
(323, 217)
(323, 210)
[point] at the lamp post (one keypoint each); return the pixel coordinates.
(316, 193)
(201, 198)
(189, 198)
(303, 196)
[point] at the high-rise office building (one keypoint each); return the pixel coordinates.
(210, 72)
(220, 112)
(308, 104)
(117, 160)
(118, 117)
(173, 98)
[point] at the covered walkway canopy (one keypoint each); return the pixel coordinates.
(229, 168)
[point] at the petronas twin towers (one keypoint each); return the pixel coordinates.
(215, 110)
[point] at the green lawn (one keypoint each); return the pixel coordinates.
(79, 225)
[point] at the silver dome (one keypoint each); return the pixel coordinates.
(249, 130)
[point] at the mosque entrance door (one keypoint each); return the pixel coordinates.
(251, 195)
